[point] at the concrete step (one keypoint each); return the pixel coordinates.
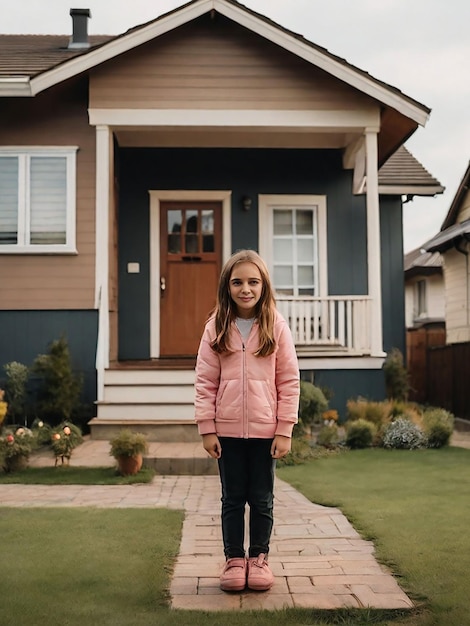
(168, 431)
(166, 458)
(145, 411)
(149, 377)
(180, 459)
(149, 394)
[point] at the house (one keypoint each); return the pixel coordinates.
(453, 243)
(424, 316)
(424, 289)
(132, 166)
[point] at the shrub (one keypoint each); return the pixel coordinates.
(328, 437)
(360, 433)
(375, 412)
(15, 388)
(438, 426)
(60, 389)
(396, 377)
(312, 404)
(15, 444)
(42, 432)
(402, 433)
(64, 439)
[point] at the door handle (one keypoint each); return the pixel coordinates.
(162, 284)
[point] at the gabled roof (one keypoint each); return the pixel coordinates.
(43, 67)
(419, 263)
(403, 174)
(452, 232)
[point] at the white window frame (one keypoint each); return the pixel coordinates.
(24, 154)
(266, 206)
(421, 299)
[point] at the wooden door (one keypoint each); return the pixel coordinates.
(190, 264)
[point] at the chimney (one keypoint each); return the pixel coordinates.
(79, 37)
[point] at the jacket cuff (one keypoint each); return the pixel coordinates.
(284, 428)
(206, 427)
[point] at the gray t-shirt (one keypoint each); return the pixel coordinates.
(244, 326)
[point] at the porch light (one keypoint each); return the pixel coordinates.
(246, 203)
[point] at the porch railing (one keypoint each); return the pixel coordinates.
(340, 323)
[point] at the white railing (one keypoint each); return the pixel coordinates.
(334, 322)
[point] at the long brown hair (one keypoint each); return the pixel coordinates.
(225, 310)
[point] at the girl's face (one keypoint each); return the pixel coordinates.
(246, 286)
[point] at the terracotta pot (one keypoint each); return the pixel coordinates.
(129, 465)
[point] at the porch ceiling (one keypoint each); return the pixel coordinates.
(144, 137)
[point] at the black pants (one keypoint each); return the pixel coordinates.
(247, 476)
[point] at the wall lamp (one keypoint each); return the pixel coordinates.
(246, 203)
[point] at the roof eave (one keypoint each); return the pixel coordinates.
(410, 190)
(15, 87)
(250, 20)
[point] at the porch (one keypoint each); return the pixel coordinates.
(157, 396)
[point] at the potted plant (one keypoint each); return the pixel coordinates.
(128, 448)
(15, 448)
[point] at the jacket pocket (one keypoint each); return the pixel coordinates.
(229, 404)
(261, 403)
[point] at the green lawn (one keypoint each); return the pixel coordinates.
(65, 475)
(111, 567)
(415, 505)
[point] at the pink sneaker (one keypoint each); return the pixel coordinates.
(260, 577)
(233, 576)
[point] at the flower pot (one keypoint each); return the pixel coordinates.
(129, 465)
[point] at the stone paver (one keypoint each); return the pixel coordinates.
(318, 559)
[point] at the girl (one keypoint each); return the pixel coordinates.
(247, 394)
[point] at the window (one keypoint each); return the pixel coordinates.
(420, 299)
(37, 200)
(293, 242)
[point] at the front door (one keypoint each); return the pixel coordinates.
(190, 264)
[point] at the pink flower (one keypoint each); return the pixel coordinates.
(56, 436)
(10, 438)
(67, 430)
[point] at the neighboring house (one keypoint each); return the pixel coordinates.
(424, 316)
(453, 243)
(424, 289)
(131, 167)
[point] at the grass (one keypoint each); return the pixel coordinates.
(112, 566)
(415, 506)
(64, 475)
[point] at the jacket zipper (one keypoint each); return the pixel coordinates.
(245, 395)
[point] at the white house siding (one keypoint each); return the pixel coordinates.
(457, 285)
(464, 213)
(435, 300)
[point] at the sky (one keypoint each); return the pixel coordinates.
(421, 47)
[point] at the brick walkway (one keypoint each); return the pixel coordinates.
(318, 559)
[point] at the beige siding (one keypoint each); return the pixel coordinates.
(217, 65)
(457, 285)
(435, 299)
(42, 282)
(464, 213)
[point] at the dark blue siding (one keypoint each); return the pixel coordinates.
(25, 334)
(244, 172)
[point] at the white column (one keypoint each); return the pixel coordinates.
(102, 208)
(373, 243)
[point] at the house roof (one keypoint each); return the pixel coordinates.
(452, 232)
(403, 174)
(419, 263)
(30, 64)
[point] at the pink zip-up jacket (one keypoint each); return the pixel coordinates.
(242, 395)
